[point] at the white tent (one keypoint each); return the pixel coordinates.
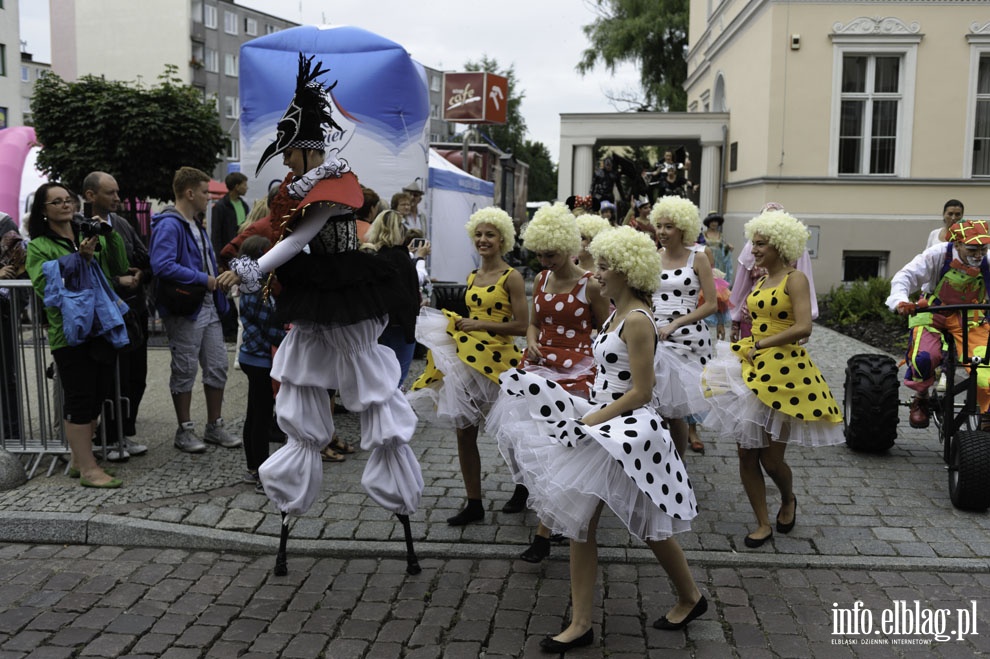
(453, 196)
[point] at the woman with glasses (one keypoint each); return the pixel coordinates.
(86, 369)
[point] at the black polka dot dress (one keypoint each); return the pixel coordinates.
(629, 461)
(682, 357)
(460, 381)
(781, 394)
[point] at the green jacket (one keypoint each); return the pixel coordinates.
(112, 258)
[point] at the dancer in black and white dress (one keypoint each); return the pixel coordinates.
(575, 455)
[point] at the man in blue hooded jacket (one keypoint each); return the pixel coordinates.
(181, 253)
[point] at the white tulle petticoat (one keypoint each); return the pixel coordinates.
(463, 397)
(736, 413)
(678, 392)
(569, 467)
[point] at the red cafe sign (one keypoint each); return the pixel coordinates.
(475, 98)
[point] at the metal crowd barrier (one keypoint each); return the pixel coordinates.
(30, 394)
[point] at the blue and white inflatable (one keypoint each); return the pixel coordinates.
(381, 101)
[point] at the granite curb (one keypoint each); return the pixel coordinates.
(100, 529)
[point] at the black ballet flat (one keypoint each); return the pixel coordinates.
(786, 528)
(550, 646)
(753, 543)
(699, 609)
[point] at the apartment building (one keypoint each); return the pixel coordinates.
(10, 46)
(135, 41)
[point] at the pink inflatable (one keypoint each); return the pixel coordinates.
(15, 145)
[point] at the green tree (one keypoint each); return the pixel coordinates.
(542, 171)
(140, 135)
(650, 33)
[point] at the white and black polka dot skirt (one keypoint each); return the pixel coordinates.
(736, 413)
(628, 462)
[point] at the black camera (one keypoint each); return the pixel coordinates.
(88, 227)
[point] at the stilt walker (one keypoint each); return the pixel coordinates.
(335, 298)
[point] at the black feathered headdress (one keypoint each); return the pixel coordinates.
(308, 117)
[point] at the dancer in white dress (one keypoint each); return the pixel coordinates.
(685, 342)
(576, 455)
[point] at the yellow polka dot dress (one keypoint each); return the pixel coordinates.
(461, 378)
(781, 393)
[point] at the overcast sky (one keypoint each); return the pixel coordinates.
(541, 38)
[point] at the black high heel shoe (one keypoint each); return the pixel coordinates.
(786, 528)
(550, 646)
(699, 609)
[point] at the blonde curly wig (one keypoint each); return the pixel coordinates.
(684, 214)
(553, 228)
(785, 232)
(499, 219)
(631, 252)
(592, 225)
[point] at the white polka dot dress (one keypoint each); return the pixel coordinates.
(682, 357)
(629, 461)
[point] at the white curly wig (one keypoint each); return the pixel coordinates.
(631, 252)
(785, 232)
(499, 219)
(553, 228)
(592, 225)
(682, 212)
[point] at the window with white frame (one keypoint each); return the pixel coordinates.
(196, 11)
(210, 16)
(981, 118)
(231, 107)
(212, 61)
(270, 29)
(230, 65)
(873, 78)
(233, 150)
(251, 27)
(25, 74)
(229, 22)
(871, 102)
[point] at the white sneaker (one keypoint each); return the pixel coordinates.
(217, 434)
(114, 453)
(134, 448)
(186, 439)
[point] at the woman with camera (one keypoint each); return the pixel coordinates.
(84, 369)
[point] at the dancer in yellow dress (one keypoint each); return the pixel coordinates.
(768, 393)
(467, 355)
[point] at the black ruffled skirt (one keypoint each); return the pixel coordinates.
(342, 288)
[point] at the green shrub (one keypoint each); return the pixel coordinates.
(859, 301)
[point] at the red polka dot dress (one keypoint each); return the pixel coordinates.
(629, 461)
(460, 381)
(682, 357)
(566, 322)
(781, 394)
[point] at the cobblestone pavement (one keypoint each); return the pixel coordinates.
(177, 563)
(85, 601)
